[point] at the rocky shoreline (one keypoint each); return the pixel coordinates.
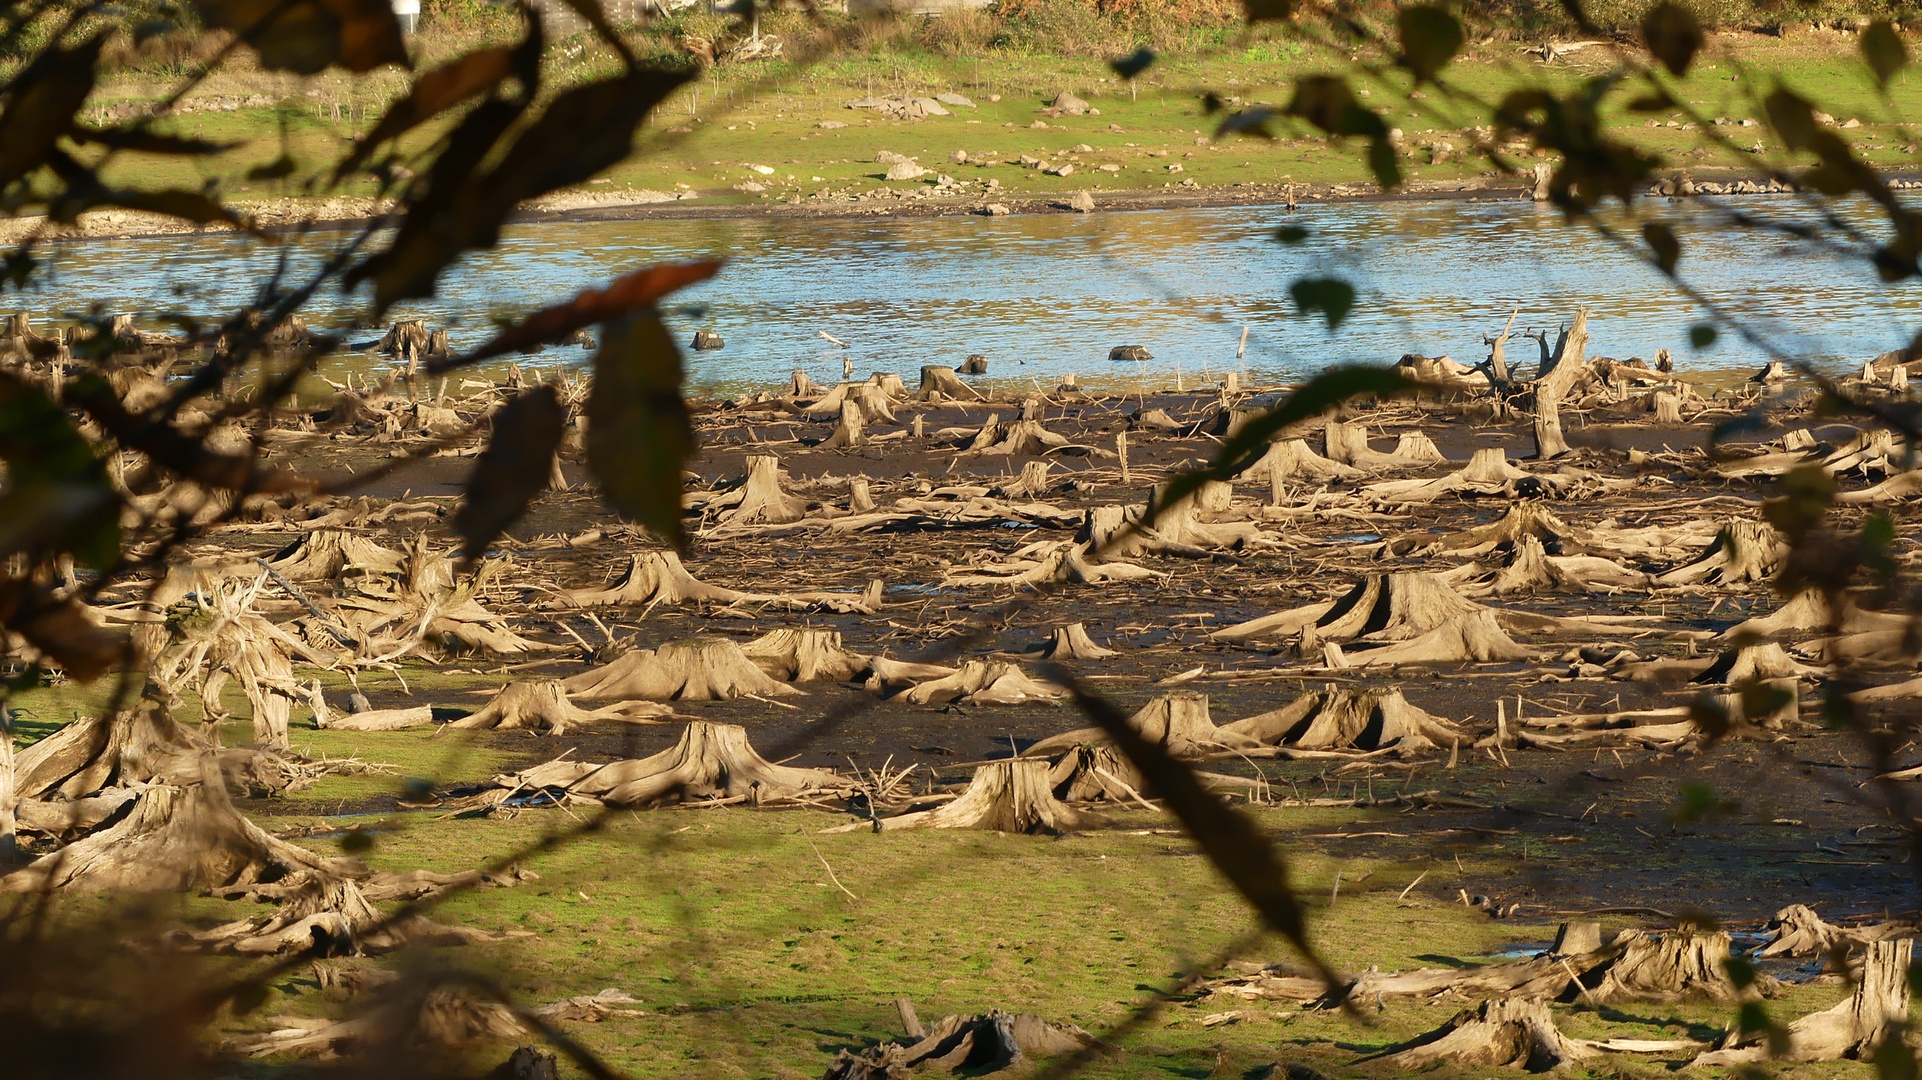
(294, 214)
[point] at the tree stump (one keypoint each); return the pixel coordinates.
(695, 669)
(1514, 1032)
(1005, 796)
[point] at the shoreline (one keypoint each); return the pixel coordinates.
(278, 217)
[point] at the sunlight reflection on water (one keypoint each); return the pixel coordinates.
(1042, 295)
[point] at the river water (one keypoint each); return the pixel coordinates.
(1044, 295)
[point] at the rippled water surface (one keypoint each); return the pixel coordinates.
(1042, 295)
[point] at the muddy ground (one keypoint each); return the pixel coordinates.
(1591, 831)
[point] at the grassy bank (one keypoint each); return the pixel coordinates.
(773, 131)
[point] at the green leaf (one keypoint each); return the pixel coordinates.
(1882, 47)
(1673, 36)
(1291, 234)
(513, 469)
(1132, 64)
(1332, 297)
(639, 433)
(1661, 240)
(1430, 38)
(1702, 335)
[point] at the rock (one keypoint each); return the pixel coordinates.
(1081, 148)
(1063, 169)
(764, 170)
(1029, 161)
(954, 99)
(1081, 203)
(931, 107)
(831, 125)
(1175, 168)
(1069, 105)
(1851, 122)
(751, 187)
(1130, 352)
(995, 209)
(943, 180)
(888, 157)
(1108, 168)
(707, 340)
(1039, 125)
(959, 157)
(905, 170)
(975, 364)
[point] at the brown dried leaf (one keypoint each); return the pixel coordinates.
(515, 467)
(434, 92)
(307, 36)
(42, 101)
(639, 432)
(588, 307)
(582, 132)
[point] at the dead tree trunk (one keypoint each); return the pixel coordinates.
(1560, 374)
(1516, 1032)
(1852, 1029)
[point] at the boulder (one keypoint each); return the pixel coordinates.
(707, 341)
(905, 170)
(1069, 105)
(1081, 203)
(1130, 352)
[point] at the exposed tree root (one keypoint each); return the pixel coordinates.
(696, 669)
(1343, 719)
(544, 707)
(1071, 642)
(1513, 1032)
(979, 1045)
(1852, 1029)
(141, 745)
(1178, 722)
(1798, 931)
(1530, 569)
(804, 655)
(331, 554)
(1049, 562)
(982, 682)
(711, 765)
(758, 498)
(1476, 637)
(1745, 550)
(174, 839)
(1005, 796)
(1293, 459)
(652, 577)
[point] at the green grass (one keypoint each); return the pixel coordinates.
(751, 962)
(707, 137)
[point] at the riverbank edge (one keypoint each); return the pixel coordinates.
(272, 217)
